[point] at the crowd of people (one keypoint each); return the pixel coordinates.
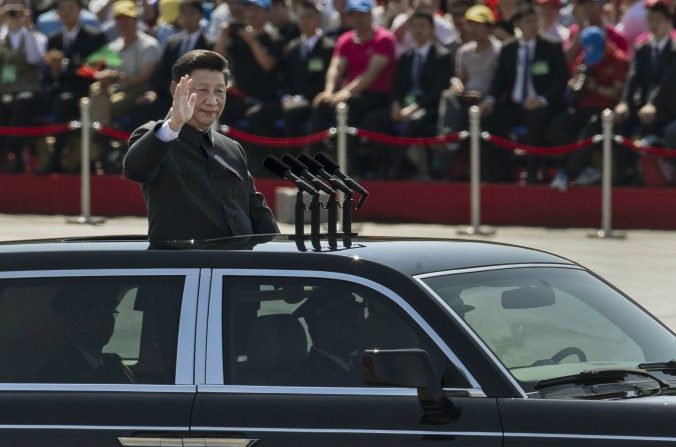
(540, 71)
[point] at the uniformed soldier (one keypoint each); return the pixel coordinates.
(90, 314)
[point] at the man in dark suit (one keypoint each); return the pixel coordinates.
(423, 72)
(304, 66)
(527, 90)
(648, 82)
(90, 315)
(67, 50)
(155, 103)
(195, 181)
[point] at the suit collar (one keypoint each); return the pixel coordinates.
(195, 137)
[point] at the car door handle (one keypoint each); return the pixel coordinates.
(185, 442)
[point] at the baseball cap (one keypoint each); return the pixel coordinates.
(169, 10)
(125, 8)
(265, 4)
(359, 5)
(554, 3)
(480, 14)
(593, 44)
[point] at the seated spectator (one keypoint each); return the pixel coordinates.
(255, 53)
(597, 85)
(527, 90)
(116, 91)
(504, 25)
(648, 100)
(168, 24)
(280, 18)
(67, 50)
(305, 62)
(475, 64)
(21, 53)
(422, 74)
(155, 103)
(456, 15)
(590, 13)
(361, 74)
(444, 31)
(225, 12)
(335, 18)
(50, 22)
(549, 15)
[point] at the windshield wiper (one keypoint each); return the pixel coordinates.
(665, 367)
(596, 376)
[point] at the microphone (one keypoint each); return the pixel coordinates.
(282, 170)
(302, 171)
(332, 168)
(318, 170)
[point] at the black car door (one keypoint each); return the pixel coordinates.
(282, 367)
(96, 357)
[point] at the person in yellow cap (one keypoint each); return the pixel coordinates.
(167, 23)
(116, 90)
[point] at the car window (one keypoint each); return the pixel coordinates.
(89, 329)
(311, 332)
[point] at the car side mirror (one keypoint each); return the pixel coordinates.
(409, 368)
(529, 297)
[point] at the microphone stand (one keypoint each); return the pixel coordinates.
(347, 215)
(315, 209)
(299, 216)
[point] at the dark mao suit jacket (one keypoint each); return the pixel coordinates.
(306, 76)
(642, 86)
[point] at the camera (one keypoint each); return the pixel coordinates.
(579, 81)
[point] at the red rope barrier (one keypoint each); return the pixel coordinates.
(505, 143)
(111, 132)
(276, 142)
(661, 151)
(37, 131)
(407, 141)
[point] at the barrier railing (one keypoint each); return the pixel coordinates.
(342, 130)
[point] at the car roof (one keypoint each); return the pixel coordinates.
(409, 256)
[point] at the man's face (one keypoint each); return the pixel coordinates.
(658, 24)
(528, 26)
(125, 25)
(68, 12)
(209, 86)
(309, 21)
(361, 21)
(256, 16)
(189, 19)
(422, 31)
(475, 30)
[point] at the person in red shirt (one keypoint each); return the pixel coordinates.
(599, 75)
(590, 13)
(360, 74)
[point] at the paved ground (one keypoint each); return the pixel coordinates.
(643, 265)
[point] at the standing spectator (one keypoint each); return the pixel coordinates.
(305, 62)
(527, 89)
(281, 19)
(633, 23)
(648, 98)
(590, 13)
(67, 50)
(475, 64)
(255, 54)
(154, 103)
(444, 31)
(116, 91)
(21, 52)
(548, 16)
(422, 74)
(361, 74)
(600, 72)
(50, 22)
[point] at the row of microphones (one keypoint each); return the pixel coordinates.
(312, 175)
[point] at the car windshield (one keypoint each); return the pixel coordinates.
(544, 322)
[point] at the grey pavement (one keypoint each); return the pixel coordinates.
(643, 265)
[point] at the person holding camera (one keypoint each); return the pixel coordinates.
(21, 51)
(599, 74)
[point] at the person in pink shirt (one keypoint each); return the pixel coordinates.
(360, 74)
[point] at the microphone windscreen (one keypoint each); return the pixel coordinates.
(274, 165)
(296, 166)
(330, 165)
(312, 165)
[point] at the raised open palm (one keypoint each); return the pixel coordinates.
(183, 104)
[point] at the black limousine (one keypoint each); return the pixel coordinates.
(343, 342)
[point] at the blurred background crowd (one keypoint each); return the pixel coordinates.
(540, 71)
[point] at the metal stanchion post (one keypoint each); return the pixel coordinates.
(85, 175)
(341, 149)
(475, 229)
(606, 231)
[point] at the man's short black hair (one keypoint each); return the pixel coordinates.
(194, 4)
(524, 10)
(199, 60)
(423, 15)
(661, 8)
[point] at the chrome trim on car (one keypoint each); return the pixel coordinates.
(185, 350)
(201, 327)
(98, 388)
(215, 352)
(93, 427)
(465, 326)
(583, 436)
(351, 391)
(494, 267)
(349, 431)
